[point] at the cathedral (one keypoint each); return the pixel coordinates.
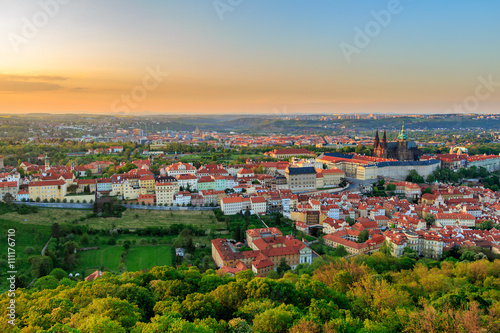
(401, 150)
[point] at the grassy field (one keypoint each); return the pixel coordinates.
(47, 217)
(146, 257)
(33, 230)
(133, 219)
(107, 256)
(139, 257)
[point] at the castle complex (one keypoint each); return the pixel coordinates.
(402, 150)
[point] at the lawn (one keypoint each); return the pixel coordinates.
(146, 257)
(139, 257)
(133, 219)
(107, 256)
(47, 216)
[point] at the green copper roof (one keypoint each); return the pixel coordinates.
(402, 135)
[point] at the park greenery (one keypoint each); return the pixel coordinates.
(82, 242)
(376, 293)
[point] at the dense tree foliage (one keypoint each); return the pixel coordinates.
(375, 293)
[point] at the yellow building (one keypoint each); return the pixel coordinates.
(91, 184)
(332, 177)
(50, 189)
(8, 187)
(148, 182)
(165, 193)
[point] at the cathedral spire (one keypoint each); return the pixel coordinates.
(376, 142)
(402, 135)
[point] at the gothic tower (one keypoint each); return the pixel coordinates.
(403, 154)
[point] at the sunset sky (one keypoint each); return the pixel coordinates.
(256, 57)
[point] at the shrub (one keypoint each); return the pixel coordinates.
(29, 250)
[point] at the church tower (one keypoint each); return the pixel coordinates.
(376, 142)
(47, 164)
(403, 153)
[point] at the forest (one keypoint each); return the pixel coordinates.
(376, 293)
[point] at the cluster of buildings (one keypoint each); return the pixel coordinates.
(459, 160)
(176, 184)
(268, 248)
(362, 225)
(401, 223)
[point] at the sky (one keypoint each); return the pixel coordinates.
(273, 57)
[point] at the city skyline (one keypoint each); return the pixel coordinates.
(242, 57)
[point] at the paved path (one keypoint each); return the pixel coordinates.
(45, 247)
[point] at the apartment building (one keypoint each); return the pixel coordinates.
(148, 182)
(331, 177)
(180, 169)
(426, 243)
(452, 219)
(287, 153)
(83, 184)
(301, 179)
(187, 181)
(409, 190)
(8, 187)
(347, 238)
(165, 193)
(258, 205)
(266, 256)
(232, 205)
(49, 189)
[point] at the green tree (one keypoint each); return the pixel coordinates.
(275, 320)
(430, 179)
(414, 177)
(363, 236)
(283, 267)
(58, 273)
(46, 282)
(386, 248)
(486, 225)
(100, 324)
(120, 311)
(429, 219)
(55, 230)
(8, 198)
(40, 265)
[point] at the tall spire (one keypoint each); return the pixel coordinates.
(376, 142)
(402, 135)
(384, 140)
